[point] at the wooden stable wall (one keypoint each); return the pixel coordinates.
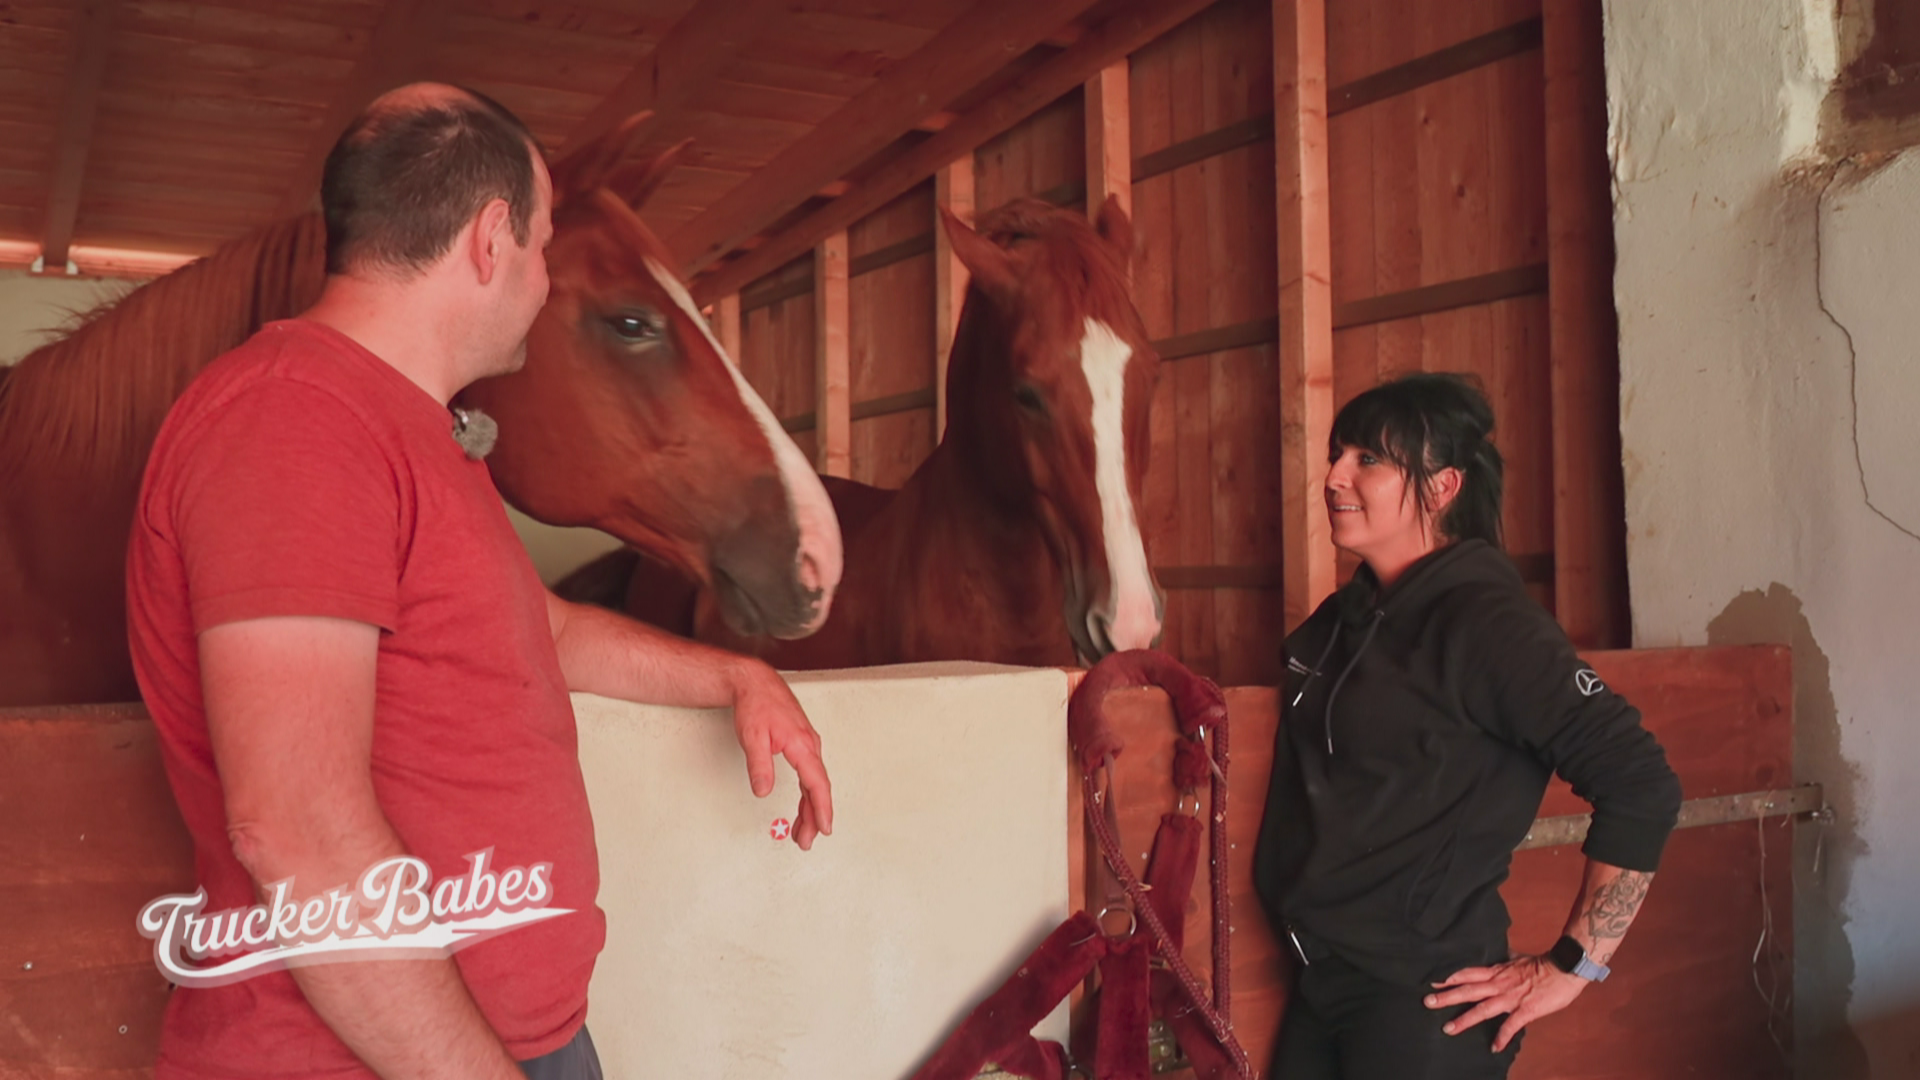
(91, 834)
(1440, 219)
(1717, 924)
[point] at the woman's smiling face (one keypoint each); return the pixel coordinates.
(1372, 514)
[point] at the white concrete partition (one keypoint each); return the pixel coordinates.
(733, 954)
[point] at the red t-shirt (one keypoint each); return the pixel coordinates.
(302, 475)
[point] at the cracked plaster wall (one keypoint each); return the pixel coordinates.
(1762, 504)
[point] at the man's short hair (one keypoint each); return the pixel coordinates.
(402, 181)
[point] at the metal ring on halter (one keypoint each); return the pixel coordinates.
(1180, 807)
(1133, 921)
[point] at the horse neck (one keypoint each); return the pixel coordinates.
(85, 409)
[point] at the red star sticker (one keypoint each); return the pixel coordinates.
(781, 828)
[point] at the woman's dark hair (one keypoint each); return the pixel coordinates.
(403, 180)
(1425, 423)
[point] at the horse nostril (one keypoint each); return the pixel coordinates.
(1100, 629)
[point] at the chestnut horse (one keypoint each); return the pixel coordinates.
(626, 417)
(1026, 512)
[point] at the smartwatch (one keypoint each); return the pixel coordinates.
(1568, 955)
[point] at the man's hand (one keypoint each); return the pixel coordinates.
(769, 721)
(1525, 987)
(604, 653)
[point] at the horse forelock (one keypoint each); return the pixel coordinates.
(87, 406)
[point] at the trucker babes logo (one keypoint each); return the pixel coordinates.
(395, 911)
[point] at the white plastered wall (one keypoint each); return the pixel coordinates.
(1769, 405)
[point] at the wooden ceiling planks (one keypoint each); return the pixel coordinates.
(92, 36)
(935, 75)
(212, 117)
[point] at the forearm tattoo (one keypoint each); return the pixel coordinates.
(1612, 906)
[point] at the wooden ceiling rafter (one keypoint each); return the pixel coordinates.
(393, 57)
(93, 34)
(920, 86)
(1127, 30)
(673, 77)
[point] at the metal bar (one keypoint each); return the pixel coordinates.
(1694, 814)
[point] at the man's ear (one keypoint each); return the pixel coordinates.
(491, 231)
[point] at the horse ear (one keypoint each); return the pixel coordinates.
(589, 165)
(1115, 227)
(635, 183)
(990, 264)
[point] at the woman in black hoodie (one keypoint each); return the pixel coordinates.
(1424, 707)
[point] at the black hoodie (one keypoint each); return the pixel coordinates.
(1418, 731)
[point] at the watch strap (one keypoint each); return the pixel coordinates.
(1571, 957)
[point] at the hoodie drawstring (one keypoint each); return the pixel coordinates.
(1378, 616)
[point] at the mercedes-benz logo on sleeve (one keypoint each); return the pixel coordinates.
(1587, 682)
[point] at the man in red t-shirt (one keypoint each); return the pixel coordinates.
(348, 655)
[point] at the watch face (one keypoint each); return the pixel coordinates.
(1566, 954)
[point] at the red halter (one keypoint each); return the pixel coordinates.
(1140, 975)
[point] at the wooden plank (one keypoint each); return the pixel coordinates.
(1432, 68)
(94, 25)
(1306, 297)
(899, 251)
(1254, 129)
(1589, 519)
(1109, 120)
(782, 287)
(1203, 342)
(726, 325)
(832, 382)
(395, 54)
(953, 192)
(866, 410)
(955, 61)
(1138, 23)
(1432, 299)
(675, 75)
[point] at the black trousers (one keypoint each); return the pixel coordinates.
(1344, 1024)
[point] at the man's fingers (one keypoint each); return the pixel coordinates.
(815, 789)
(1468, 975)
(753, 740)
(804, 829)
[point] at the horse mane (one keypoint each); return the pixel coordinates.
(1065, 247)
(88, 406)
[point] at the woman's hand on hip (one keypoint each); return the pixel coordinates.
(1525, 988)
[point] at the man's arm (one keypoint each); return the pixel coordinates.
(612, 655)
(1529, 987)
(290, 705)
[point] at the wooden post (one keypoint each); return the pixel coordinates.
(726, 325)
(952, 190)
(1306, 299)
(1589, 504)
(1109, 140)
(833, 387)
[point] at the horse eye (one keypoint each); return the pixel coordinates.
(1029, 398)
(634, 329)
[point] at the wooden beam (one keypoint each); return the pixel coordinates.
(1206, 342)
(833, 386)
(958, 59)
(891, 405)
(1444, 296)
(1109, 139)
(953, 190)
(396, 55)
(92, 35)
(726, 325)
(1589, 503)
(1201, 147)
(1435, 66)
(1134, 26)
(1306, 299)
(679, 70)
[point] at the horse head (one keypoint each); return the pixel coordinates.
(630, 418)
(1050, 386)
